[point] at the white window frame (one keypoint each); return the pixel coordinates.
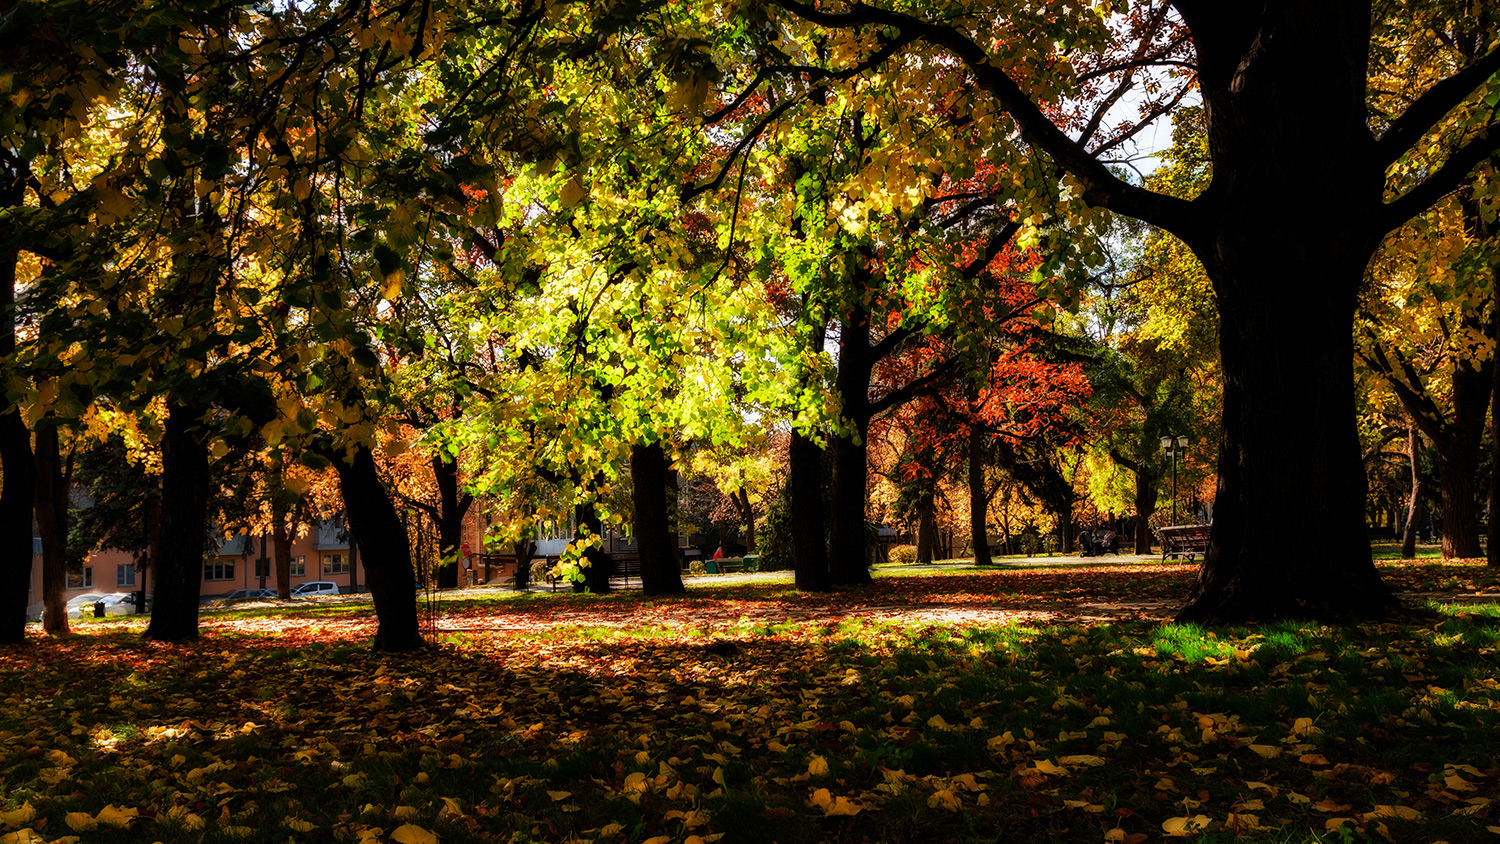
(335, 564)
(218, 570)
(85, 579)
(299, 566)
(125, 575)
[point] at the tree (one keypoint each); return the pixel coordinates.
(1298, 204)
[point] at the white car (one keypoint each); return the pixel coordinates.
(82, 606)
(315, 587)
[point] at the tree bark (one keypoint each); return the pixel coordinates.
(281, 548)
(388, 566)
(1145, 508)
(52, 525)
(596, 573)
(747, 514)
(848, 557)
(926, 529)
(453, 505)
(17, 466)
(1413, 504)
(979, 503)
(661, 573)
(805, 494)
(178, 565)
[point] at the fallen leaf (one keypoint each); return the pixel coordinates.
(1179, 827)
(412, 834)
(19, 817)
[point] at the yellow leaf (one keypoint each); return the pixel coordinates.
(1082, 759)
(817, 766)
(907, 701)
(572, 193)
(660, 839)
(1116, 834)
(391, 289)
(842, 806)
(298, 825)
(1334, 823)
(1298, 798)
(1047, 767)
(611, 829)
(412, 834)
(1266, 751)
(944, 798)
(19, 817)
(80, 821)
(1405, 813)
(24, 836)
(112, 816)
(558, 796)
(937, 723)
(1303, 726)
(1313, 759)
(1179, 827)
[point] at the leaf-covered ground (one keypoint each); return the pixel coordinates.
(999, 706)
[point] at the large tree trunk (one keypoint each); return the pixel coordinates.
(388, 568)
(848, 557)
(1458, 463)
(17, 469)
(661, 573)
(17, 498)
(596, 573)
(747, 515)
(52, 524)
(1413, 504)
(1145, 508)
(926, 529)
(281, 548)
(1284, 232)
(453, 505)
(979, 503)
(184, 526)
(805, 500)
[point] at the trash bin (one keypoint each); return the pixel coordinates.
(98, 609)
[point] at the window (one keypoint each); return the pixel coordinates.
(219, 570)
(125, 575)
(299, 566)
(335, 564)
(81, 579)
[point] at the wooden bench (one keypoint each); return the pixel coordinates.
(625, 566)
(1183, 541)
(724, 565)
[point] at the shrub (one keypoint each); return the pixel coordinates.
(904, 555)
(696, 567)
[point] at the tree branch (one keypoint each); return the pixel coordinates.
(1443, 181)
(1101, 188)
(1423, 115)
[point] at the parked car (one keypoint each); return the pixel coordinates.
(249, 595)
(82, 606)
(315, 587)
(123, 603)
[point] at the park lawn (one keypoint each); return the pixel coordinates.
(924, 708)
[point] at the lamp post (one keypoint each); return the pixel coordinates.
(1174, 447)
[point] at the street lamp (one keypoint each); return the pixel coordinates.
(1175, 447)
